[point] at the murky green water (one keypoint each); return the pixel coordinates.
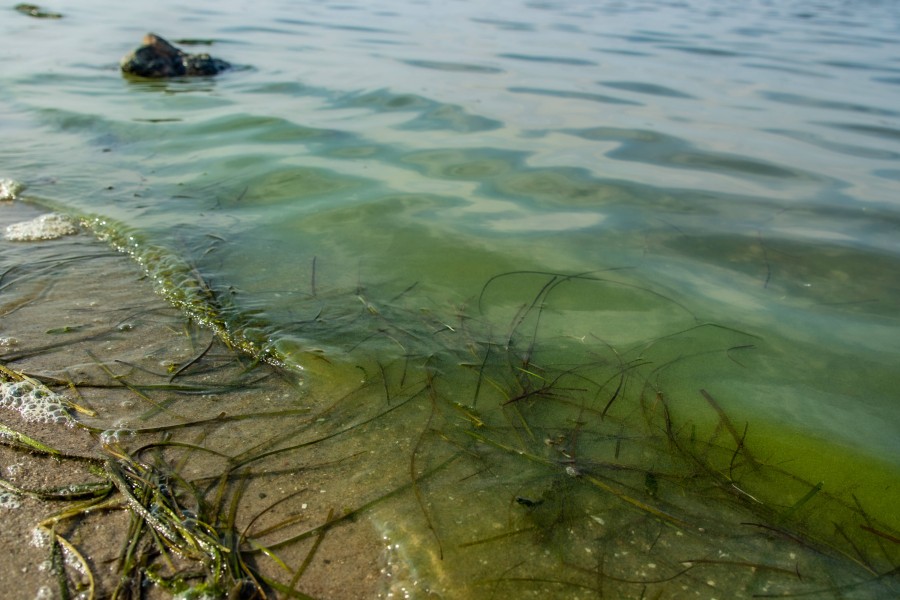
(543, 225)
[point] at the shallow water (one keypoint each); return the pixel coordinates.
(385, 185)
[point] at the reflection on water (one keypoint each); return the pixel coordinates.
(400, 188)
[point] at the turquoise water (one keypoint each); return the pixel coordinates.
(723, 177)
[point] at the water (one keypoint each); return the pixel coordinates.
(723, 175)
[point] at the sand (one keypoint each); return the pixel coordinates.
(73, 310)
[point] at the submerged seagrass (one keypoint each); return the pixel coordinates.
(568, 474)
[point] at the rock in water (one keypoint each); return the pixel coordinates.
(158, 58)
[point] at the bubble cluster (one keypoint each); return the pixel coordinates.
(9, 189)
(45, 227)
(35, 402)
(9, 500)
(39, 538)
(194, 594)
(111, 437)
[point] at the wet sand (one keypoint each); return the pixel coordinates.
(73, 310)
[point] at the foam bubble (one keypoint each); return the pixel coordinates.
(192, 594)
(111, 437)
(44, 227)
(9, 501)
(9, 189)
(39, 538)
(35, 402)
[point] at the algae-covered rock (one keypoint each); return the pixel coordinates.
(157, 58)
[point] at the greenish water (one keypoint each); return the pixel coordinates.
(542, 226)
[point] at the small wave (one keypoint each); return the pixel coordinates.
(622, 52)
(839, 147)
(572, 95)
(641, 87)
(467, 164)
(453, 67)
(335, 26)
(9, 189)
(810, 102)
(45, 227)
(505, 25)
(559, 60)
(705, 51)
(432, 115)
(878, 131)
(660, 149)
(790, 70)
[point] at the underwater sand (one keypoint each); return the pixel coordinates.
(88, 305)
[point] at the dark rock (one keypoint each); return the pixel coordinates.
(158, 58)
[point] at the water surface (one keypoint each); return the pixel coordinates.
(704, 189)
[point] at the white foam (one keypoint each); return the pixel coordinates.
(9, 501)
(39, 537)
(9, 189)
(44, 227)
(35, 402)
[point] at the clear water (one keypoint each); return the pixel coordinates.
(723, 174)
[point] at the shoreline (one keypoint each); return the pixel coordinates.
(94, 320)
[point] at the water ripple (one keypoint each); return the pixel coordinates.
(430, 115)
(660, 149)
(641, 87)
(839, 147)
(813, 102)
(335, 26)
(573, 95)
(879, 131)
(470, 164)
(558, 60)
(506, 25)
(453, 66)
(704, 50)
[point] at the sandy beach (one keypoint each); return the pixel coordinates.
(79, 312)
